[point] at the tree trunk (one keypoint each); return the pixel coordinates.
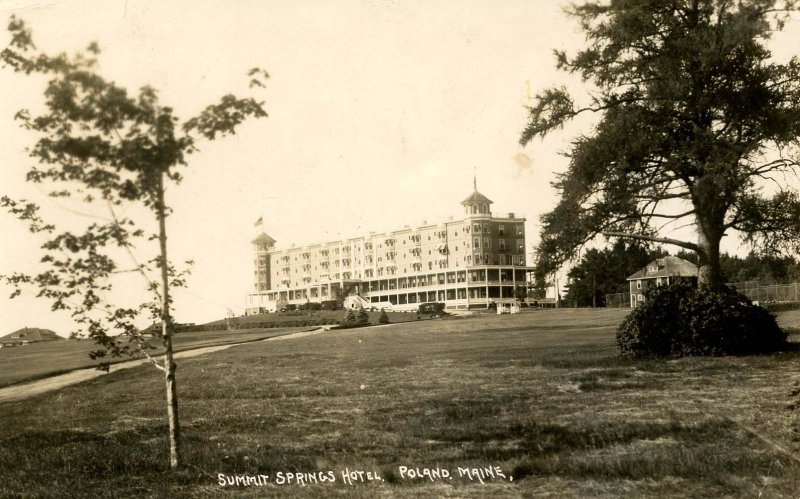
(166, 331)
(708, 273)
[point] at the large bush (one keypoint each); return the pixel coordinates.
(680, 319)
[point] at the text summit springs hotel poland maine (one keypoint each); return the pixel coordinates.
(465, 263)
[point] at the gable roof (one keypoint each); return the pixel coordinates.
(263, 238)
(30, 334)
(668, 266)
(476, 198)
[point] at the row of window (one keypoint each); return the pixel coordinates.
(415, 252)
(485, 228)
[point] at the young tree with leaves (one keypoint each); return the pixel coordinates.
(694, 115)
(98, 143)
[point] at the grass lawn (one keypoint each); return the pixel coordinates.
(38, 360)
(540, 395)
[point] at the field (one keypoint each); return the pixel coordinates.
(541, 396)
(37, 360)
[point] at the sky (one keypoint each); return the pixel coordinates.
(380, 112)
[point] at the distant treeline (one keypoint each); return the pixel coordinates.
(604, 271)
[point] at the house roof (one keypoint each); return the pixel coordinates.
(668, 266)
(476, 198)
(30, 334)
(263, 238)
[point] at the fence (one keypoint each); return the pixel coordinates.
(773, 293)
(618, 300)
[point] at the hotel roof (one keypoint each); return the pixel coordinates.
(263, 238)
(476, 198)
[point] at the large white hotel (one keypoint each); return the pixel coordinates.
(465, 263)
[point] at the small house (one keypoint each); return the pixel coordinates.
(28, 335)
(661, 271)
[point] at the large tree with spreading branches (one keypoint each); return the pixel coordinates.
(696, 124)
(114, 150)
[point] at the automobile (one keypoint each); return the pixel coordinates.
(432, 308)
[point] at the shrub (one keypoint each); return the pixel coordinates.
(383, 319)
(679, 319)
(310, 306)
(355, 318)
(329, 305)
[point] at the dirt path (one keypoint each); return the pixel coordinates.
(25, 390)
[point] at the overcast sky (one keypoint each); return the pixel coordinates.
(379, 112)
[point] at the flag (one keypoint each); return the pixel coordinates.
(260, 221)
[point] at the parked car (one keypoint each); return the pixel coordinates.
(435, 309)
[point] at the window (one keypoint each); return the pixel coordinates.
(638, 284)
(501, 229)
(486, 229)
(520, 229)
(477, 242)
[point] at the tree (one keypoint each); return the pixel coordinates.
(521, 293)
(692, 113)
(340, 294)
(603, 271)
(231, 322)
(108, 148)
(767, 269)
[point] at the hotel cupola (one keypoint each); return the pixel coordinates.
(477, 203)
(263, 242)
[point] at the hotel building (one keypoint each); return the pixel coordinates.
(465, 263)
